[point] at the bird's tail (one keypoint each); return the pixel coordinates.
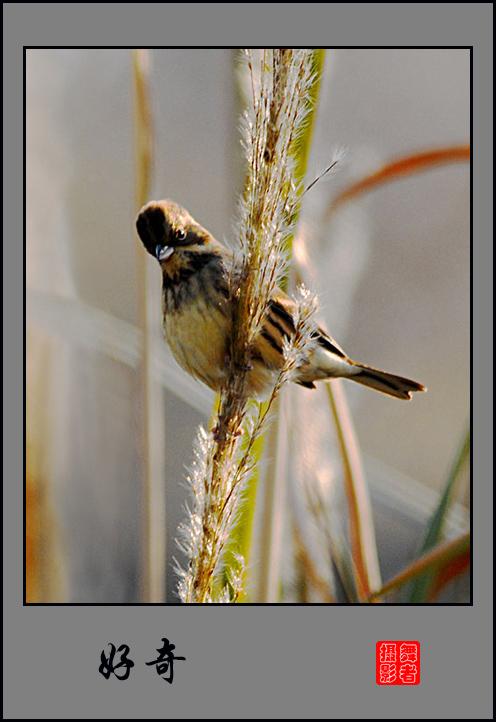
(383, 381)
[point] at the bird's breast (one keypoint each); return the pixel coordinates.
(197, 328)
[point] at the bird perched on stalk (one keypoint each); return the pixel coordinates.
(198, 318)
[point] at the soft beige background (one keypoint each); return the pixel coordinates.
(392, 275)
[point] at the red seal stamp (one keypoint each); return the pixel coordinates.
(397, 663)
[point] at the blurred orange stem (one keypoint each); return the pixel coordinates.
(400, 168)
(454, 556)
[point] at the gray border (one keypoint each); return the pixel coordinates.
(247, 662)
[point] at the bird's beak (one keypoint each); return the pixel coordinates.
(163, 252)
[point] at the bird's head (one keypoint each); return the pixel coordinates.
(168, 232)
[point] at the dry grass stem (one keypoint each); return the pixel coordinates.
(363, 546)
(152, 583)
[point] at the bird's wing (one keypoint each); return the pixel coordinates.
(281, 314)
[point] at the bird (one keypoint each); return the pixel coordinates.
(198, 318)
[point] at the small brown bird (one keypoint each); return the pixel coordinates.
(197, 320)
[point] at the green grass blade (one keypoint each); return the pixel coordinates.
(419, 591)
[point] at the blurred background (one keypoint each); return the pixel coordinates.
(108, 408)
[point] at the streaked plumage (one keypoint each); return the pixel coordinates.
(197, 318)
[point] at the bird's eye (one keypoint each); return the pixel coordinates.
(181, 234)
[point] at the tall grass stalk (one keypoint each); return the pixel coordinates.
(152, 583)
(223, 458)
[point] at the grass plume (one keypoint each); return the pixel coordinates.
(279, 84)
